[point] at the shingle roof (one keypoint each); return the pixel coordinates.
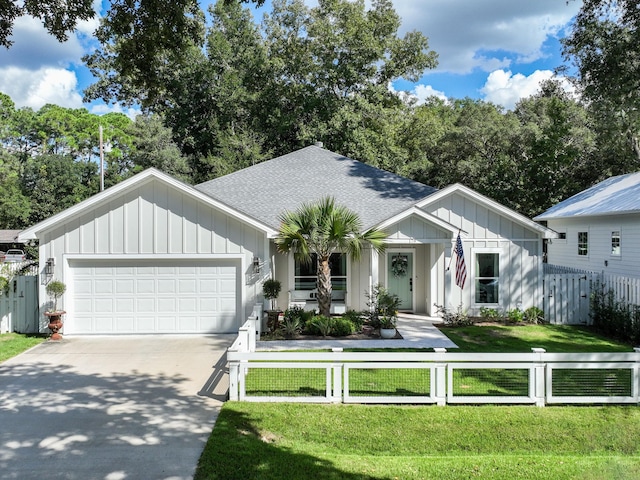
(615, 195)
(264, 191)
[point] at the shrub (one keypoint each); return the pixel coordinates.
(457, 318)
(55, 289)
(381, 304)
(516, 315)
(319, 325)
(490, 314)
(291, 326)
(271, 289)
(341, 327)
(533, 315)
(613, 318)
(356, 318)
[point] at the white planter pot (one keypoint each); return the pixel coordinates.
(387, 332)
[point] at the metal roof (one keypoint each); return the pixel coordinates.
(268, 189)
(615, 195)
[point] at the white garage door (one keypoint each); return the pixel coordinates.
(153, 296)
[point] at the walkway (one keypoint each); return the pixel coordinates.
(417, 332)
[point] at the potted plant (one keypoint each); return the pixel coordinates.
(55, 289)
(383, 311)
(271, 289)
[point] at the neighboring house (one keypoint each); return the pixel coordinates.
(9, 239)
(154, 255)
(599, 228)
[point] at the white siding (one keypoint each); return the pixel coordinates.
(565, 252)
(520, 251)
(155, 218)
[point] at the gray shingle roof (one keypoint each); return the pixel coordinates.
(266, 190)
(615, 195)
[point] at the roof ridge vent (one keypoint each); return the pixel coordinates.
(319, 144)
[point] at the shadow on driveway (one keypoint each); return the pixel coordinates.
(106, 411)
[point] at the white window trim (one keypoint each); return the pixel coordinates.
(611, 254)
(292, 275)
(471, 267)
(577, 246)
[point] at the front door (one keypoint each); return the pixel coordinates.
(400, 277)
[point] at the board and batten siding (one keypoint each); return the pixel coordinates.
(151, 219)
(486, 229)
(565, 251)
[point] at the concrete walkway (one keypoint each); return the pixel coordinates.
(111, 408)
(417, 332)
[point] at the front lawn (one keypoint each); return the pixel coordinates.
(277, 441)
(521, 338)
(12, 344)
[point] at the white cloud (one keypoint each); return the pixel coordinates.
(478, 34)
(35, 88)
(101, 109)
(506, 89)
(422, 92)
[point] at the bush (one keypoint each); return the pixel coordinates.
(341, 327)
(490, 314)
(533, 315)
(457, 318)
(381, 304)
(319, 325)
(356, 318)
(516, 315)
(613, 318)
(290, 327)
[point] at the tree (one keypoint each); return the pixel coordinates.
(323, 228)
(604, 46)
(153, 146)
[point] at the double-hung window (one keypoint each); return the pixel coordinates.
(306, 274)
(583, 244)
(487, 277)
(615, 243)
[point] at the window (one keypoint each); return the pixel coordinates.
(487, 277)
(583, 243)
(306, 274)
(615, 243)
(562, 235)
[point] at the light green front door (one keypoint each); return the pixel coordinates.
(400, 277)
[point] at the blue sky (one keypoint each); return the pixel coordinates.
(496, 50)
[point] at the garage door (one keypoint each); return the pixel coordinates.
(153, 297)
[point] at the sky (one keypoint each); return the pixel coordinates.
(494, 50)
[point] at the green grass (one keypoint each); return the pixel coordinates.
(12, 344)
(290, 441)
(514, 339)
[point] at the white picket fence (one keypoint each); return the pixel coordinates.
(567, 293)
(439, 377)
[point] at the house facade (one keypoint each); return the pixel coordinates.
(154, 255)
(598, 228)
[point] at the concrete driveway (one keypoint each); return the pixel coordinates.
(112, 408)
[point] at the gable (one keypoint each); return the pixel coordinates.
(480, 219)
(152, 218)
(413, 228)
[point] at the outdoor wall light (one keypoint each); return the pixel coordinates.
(256, 265)
(48, 266)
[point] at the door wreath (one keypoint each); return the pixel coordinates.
(399, 264)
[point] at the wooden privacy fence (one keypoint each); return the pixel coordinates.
(441, 378)
(567, 295)
(19, 309)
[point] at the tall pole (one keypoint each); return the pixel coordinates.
(101, 162)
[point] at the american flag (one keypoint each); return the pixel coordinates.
(461, 268)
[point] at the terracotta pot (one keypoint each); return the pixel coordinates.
(55, 324)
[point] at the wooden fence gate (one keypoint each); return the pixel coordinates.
(567, 295)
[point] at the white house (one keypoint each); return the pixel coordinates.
(154, 255)
(599, 228)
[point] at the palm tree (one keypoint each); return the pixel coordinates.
(324, 228)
